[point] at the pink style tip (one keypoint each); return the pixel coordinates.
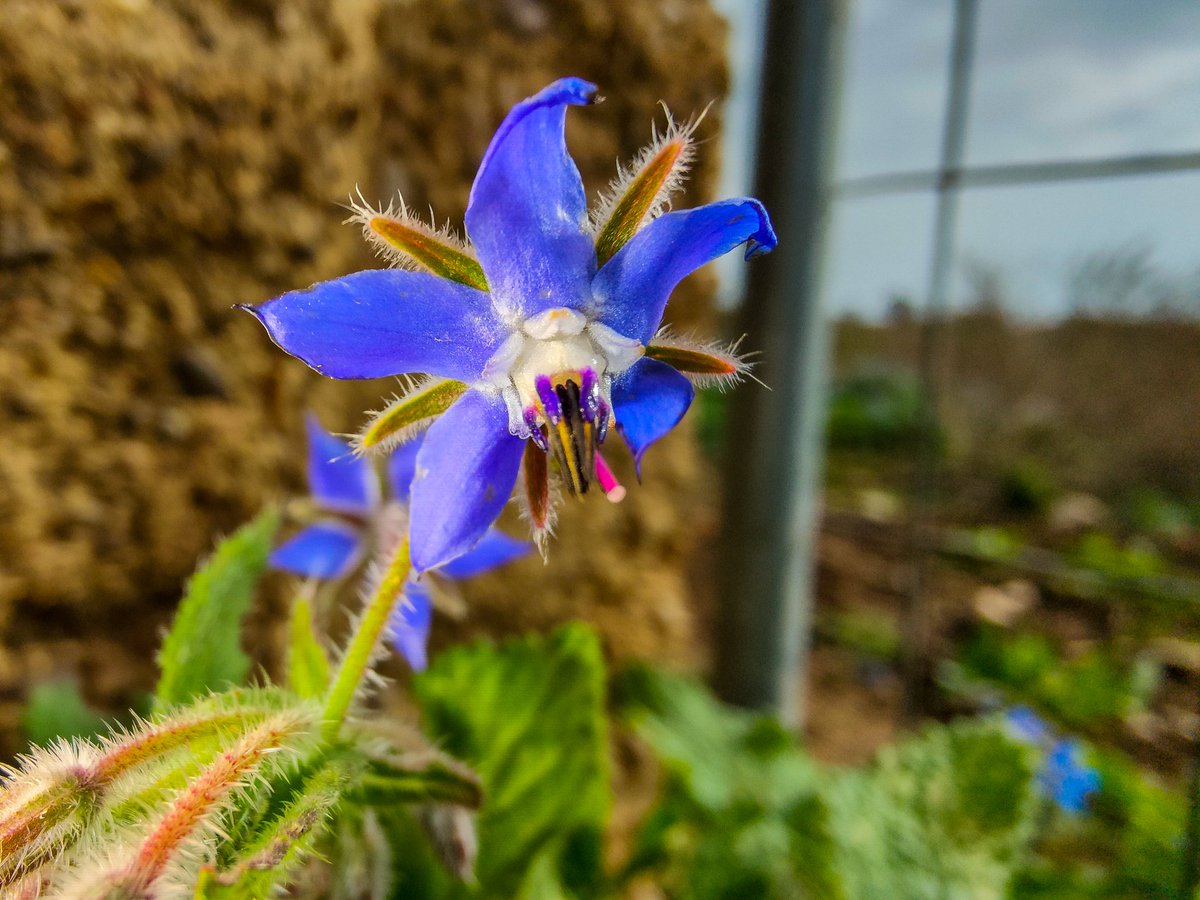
(613, 489)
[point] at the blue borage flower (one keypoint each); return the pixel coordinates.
(538, 338)
(1065, 776)
(352, 516)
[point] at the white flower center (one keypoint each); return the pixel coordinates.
(558, 344)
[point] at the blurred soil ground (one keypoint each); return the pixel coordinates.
(1051, 434)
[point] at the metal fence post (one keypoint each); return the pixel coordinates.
(941, 266)
(773, 476)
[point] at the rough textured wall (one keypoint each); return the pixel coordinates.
(160, 162)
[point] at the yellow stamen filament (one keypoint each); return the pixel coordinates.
(564, 435)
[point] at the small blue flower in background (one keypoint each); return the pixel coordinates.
(1027, 725)
(1065, 776)
(346, 492)
(539, 337)
(354, 520)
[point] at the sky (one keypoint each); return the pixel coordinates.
(1053, 79)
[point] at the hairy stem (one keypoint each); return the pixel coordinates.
(357, 658)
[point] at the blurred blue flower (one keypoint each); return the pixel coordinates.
(1026, 725)
(548, 320)
(352, 515)
(1065, 777)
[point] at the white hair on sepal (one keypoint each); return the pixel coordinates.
(626, 175)
(737, 363)
(362, 212)
(410, 387)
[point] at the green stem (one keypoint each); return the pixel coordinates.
(357, 657)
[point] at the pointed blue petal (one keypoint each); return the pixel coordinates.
(494, 549)
(339, 480)
(631, 290)
(401, 465)
(324, 550)
(648, 401)
(527, 216)
(383, 322)
(466, 470)
(408, 626)
(1026, 725)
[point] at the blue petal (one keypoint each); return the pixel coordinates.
(648, 401)
(527, 216)
(494, 549)
(401, 465)
(466, 470)
(383, 322)
(632, 288)
(1026, 725)
(339, 480)
(324, 550)
(1067, 778)
(408, 627)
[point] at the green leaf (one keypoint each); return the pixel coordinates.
(946, 814)
(202, 651)
(740, 814)
(529, 718)
(308, 664)
(57, 710)
(541, 881)
(424, 777)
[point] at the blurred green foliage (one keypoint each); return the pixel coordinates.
(1159, 515)
(1130, 846)
(743, 810)
(994, 544)
(711, 415)
(746, 813)
(1088, 691)
(56, 710)
(1027, 487)
(1100, 552)
(874, 412)
(868, 632)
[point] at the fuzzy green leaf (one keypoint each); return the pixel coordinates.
(57, 710)
(428, 777)
(202, 651)
(308, 664)
(529, 718)
(741, 813)
(947, 814)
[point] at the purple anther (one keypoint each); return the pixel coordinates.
(549, 398)
(601, 421)
(535, 430)
(590, 394)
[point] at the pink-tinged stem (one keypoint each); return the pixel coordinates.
(612, 488)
